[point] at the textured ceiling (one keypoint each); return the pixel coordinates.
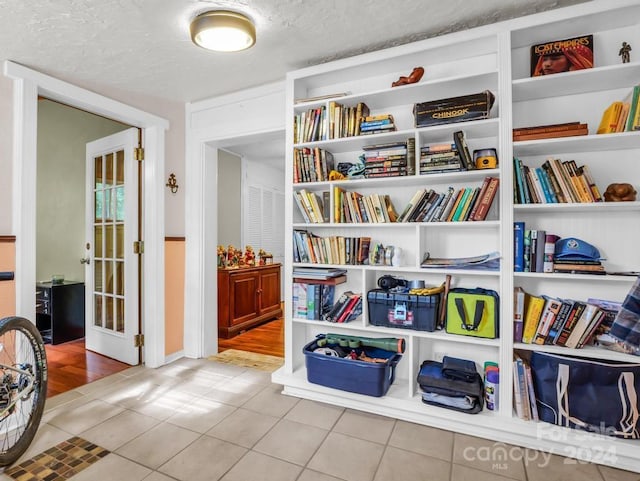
(143, 46)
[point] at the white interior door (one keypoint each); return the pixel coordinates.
(111, 278)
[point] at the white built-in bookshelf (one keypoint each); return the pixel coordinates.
(494, 58)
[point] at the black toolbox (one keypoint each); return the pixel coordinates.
(403, 310)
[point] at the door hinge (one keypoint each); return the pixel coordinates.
(138, 340)
(138, 247)
(138, 153)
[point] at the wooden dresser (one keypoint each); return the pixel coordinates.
(246, 297)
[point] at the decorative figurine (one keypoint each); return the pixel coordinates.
(233, 256)
(249, 256)
(222, 257)
(265, 257)
(624, 52)
(620, 193)
(414, 77)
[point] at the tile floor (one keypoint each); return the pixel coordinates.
(198, 420)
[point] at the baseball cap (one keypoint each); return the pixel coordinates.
(572, 248)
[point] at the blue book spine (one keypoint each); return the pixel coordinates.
(522, 192)
(544, 178)
(518, 246)
(544, 185)
(311, 301)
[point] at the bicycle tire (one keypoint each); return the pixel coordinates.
(25, 337)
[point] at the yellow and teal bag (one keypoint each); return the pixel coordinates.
(473, 312)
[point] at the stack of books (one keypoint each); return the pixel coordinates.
(377, 124)
(385, 160)
(546, 320)
(310, 126)
(436, 158)
(555, 181)
(568, 129)
(314, 290)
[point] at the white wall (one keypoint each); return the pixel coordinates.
(63, 133)
(6, 154)
(229, 200)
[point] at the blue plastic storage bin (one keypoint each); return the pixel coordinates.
(372, 379)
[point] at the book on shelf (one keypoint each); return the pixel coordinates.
(519, 307)
(531, 393)
(320, 97)
(569, 129)
(549, 250)
(557, 56)
(463, 262)
(535, 305)
(549, 313)
(572, 318)
(463, 150)
(581, 325)
(521, 391)
(609, 119)
(518, 246)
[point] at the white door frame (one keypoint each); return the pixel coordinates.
(27, 85)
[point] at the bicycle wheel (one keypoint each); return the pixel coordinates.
(23, 386)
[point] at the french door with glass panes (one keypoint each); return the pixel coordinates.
(111, 276)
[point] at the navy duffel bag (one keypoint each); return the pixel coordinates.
(596, 396)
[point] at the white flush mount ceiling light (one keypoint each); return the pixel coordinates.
(223, 31)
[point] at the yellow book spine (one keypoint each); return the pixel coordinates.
(532, 315)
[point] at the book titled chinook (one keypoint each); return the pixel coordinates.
(454, 109)
(559, 56)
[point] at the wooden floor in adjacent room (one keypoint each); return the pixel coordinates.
(71, 366)
(267, 338)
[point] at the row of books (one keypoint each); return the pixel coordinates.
(310, 248)
(466, 204)
(533, 249)
(355, 208)
(310, 126)
(345, 121)
(555, 181)
(568, 129)
(524, 397)
(621, 116)
(546, 320)
(312, 165)
(312, 206)
(346, 309)
(311, 300)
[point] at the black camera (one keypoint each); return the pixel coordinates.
(389, 282)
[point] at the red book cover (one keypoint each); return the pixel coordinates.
(559, 56)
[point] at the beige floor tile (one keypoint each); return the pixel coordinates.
(207, 459)
(271, 402)
(156, 446)
(109, 381)
(400, 465)
(243, 427)
(254, 466)
(309, 475)
(120, 429)
(492, 457)
(113, 468)
(46, 437)
(419, 439)
(233, 391)
(612, 474)
(558, 468)
(464, 473)
(254, 376)
(347, 457)
(315, 414)
(227, 370)
(83, 417)
(201, 415)
(159, 402)
(291, 441)
(156, 476)
(60, 399)
(369, 427)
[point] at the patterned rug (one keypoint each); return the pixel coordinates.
(262, 362)
(59, 462)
